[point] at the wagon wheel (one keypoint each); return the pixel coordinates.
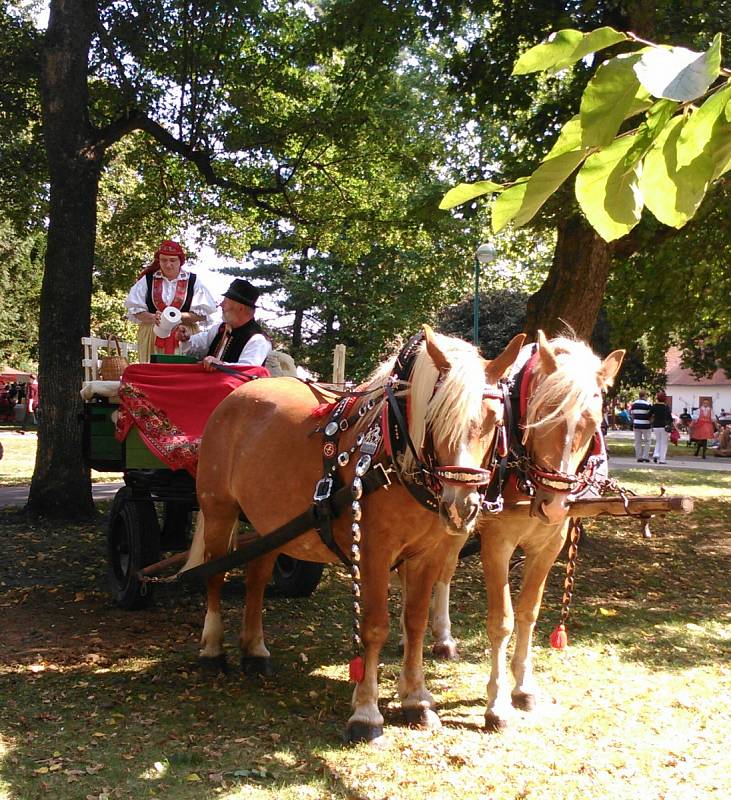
(295, 578)
(176, 524)
(133, 542)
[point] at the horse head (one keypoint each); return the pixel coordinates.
(564, 391)
(456, 407)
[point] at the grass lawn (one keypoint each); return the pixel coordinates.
(105, 704)
(626, 448)
(16, 466)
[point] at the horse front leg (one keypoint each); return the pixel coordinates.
(366, 721)
(496, 554)
(416, 702)
(538, 562)
(255, 658)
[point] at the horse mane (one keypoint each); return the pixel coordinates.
(569, 389)
(446, 413)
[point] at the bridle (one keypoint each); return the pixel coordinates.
(428, 474)
(531, 475)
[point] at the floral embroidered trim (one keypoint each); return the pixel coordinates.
(164, 439)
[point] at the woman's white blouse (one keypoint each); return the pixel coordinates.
(201, 304)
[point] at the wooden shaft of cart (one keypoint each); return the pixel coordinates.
(589, 507)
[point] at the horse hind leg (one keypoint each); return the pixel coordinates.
(445, 646)
(417, 702)
(255, 658)
(211, 540)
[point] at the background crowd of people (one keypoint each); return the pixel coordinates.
(654, 422)
(15, 393)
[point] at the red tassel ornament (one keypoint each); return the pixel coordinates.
(356, 669)
(559, 638)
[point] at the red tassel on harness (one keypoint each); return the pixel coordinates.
(559, 638)
(356, 668)
(323, 410)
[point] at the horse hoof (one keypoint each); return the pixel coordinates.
(257, 665)
(523, 701)
(445, 651)
(495, 724)
(363, 732)
(420, 717)
(214, 664)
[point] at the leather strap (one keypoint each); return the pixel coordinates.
(374, 479)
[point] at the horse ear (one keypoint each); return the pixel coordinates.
(500, 366)
(441, 362)
(545, 353)
(610, 368)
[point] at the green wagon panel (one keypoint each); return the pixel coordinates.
(137, 456)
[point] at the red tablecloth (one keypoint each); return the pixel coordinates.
(170, 405)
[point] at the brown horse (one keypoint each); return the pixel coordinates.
(259, 455)
(558, 387)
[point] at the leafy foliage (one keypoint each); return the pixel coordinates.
(666, 161)
(501, 316)
(21, 269)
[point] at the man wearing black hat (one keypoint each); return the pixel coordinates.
(238, 340)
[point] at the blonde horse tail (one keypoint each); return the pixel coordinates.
(197, 552)
(197, 548)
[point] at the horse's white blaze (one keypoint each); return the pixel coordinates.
(569, 442)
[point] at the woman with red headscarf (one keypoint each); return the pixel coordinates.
(165, 283)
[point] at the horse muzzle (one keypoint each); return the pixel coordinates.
(550, 507)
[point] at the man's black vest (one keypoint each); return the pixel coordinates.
(188, 297)
(236, 343)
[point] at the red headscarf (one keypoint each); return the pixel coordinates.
(166, 248)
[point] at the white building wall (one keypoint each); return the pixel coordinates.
(686, 396)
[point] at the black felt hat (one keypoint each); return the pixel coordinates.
(243, 292)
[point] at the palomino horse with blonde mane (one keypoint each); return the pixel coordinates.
(554, 447)
(264, 452)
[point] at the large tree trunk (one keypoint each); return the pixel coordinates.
(61, 485)
(572, 293)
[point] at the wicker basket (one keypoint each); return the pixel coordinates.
(112, 367)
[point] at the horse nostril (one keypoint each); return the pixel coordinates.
(472, 514)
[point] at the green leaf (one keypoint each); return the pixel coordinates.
(677, 73)
(544, 182)
(508, 204)
(595, 40)
(656, 119)
(565, 48)
(697, 130)
(607, 192)
(607, 99)
(569, 138)
(671, 193)
(557, 48)
(464, 192)
(718, 148)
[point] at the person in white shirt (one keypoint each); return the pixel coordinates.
(165, 283)
(238, 340)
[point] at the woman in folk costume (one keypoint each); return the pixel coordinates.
(702, 428)
(165, 283)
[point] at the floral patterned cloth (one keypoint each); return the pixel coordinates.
(170, 404)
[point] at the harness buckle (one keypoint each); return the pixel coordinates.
(493, 506)
(323, 489)
(385, 472)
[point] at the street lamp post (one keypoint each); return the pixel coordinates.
(484, 254)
